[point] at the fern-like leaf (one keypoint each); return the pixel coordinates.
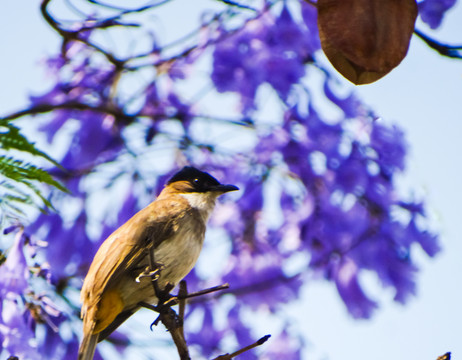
(11, 138)
(19, 179)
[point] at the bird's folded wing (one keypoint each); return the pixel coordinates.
(128, 245)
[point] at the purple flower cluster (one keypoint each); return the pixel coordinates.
(270, 49)
(22, 310)
(344, 213)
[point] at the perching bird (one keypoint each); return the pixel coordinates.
(173, 226)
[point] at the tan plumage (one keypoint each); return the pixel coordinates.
(174, 227)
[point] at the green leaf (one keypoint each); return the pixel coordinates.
(19, 186)
(13, 139)
(23, 172)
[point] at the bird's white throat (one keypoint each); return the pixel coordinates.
(204, 202)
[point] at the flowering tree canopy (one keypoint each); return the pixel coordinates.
(245, 94)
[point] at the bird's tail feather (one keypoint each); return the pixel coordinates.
(88, 346)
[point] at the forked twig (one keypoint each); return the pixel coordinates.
(174, 322)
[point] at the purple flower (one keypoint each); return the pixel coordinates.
(84, 149)
(310, 18)
(352, 175)
(16, 333)
(289, 49)
(272, 50)
(54, 345)
(284, 346)
(159, 106)
(433, 11)
(250, 205)
(66, 258)
(390, 146)
(333, 230)
(241, 331)
(52, 127)
(427, 240)
(270, 144)
(14, 272)
(387, 253)
(350, 105)
(380, 193)
(345, 274)
(259, 280)
(237, 66)
(208, 336)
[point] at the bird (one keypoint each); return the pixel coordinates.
(171, 229)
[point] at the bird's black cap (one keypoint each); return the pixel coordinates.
(200, 181)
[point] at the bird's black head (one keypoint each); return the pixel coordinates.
(199, 181)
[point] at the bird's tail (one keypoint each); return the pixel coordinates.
(88, 346)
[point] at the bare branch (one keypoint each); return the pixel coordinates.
(446, 356)
(205, 291)
(166, 314)
(68, 35)
(451, 51)
(71, 105)
(247, 348)
(238, 5)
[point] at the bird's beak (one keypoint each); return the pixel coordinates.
(225, 188)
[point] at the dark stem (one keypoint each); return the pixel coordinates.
(244, 349)
(203, 292)
(451, 51)
(72, 105)
(167, 315)
(446, 356)
(238, 5)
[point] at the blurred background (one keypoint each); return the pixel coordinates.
(422, 95)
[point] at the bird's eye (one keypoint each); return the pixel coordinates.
(196, 181)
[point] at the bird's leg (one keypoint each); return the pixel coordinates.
(165, 299)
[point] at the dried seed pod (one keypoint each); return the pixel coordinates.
(365, 39)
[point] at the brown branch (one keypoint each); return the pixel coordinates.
(71, 105)
(244, 349)
(446, 356)
(238, 5)
(167, 315)
(125, 11)
(204, 292)
(451, 51)
(68, 35)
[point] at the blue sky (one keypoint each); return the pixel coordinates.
(423, 95)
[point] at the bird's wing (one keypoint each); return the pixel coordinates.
(128, 245)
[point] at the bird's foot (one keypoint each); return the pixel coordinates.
(148, 272)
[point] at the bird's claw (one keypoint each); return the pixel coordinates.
(153, 274)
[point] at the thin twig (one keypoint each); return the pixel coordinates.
(452, 51)
(166, 314)
(238, 5)
(446, 356)
(68, 35)
(204, 292)
(129, 11)
(71, 105)
(247, 348)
